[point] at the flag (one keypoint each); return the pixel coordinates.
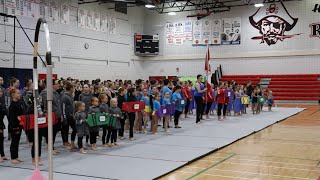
(207, 68)
(207, 62)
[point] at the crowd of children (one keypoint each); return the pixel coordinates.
(74, 101)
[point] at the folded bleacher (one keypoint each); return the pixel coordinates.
(289, 87)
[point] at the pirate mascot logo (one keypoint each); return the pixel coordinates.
(272, 22)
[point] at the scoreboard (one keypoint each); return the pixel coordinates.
(146, 45)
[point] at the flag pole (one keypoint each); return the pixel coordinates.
(207, 72)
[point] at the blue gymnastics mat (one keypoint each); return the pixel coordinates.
(149, 156)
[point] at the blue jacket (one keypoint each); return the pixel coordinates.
(177, 101)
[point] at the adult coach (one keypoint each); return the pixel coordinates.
(198, 97)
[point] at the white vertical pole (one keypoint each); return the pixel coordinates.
(35, 108)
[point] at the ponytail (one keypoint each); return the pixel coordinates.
(130, 91)
(176, 88)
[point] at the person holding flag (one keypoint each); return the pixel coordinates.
(209, 95)
(208, 100)
(200, 89)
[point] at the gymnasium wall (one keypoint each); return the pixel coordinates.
(297, 55)
(108, 56)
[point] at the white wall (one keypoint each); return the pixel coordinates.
(108, 56)
(112, 56)
(297, 55)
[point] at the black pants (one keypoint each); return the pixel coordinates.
(113, 134)
(15, 140)
(163, 121)
(132, 117)
(209, 104)
(54, 134)
(93, 137)
(121, 130)
(186, 109)
(176, 117)
(104, 134)
(65, 130)
(224, 106)
(1, 134)
(80, 142)
(27, 135)
(1, 144)
(199, 100)
(31, 138)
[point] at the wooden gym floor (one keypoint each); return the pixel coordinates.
(284, 151)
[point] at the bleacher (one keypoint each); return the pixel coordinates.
(290, 87)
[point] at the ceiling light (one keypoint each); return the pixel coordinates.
(149, 6)
(172, 13)
(258, 5)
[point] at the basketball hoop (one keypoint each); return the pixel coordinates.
(6, 47)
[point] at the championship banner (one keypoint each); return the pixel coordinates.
(96, 22)
(21, 10)
(17, 6)
(65, 13)
(43, 8)
(187, 30)
(206, 32)
(82, 18)
(196, 33)
(89, 20)
(231, 31)
(112, 25)
(53, 13)
(103, 22)
(34, 10)
(169, 33)
(27, 6)
(178, 33)
(216, 31)
(9, 8)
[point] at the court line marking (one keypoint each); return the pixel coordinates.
(289, 130)
(272, 156)
(265, 161)
(213, 175)
(215, 164)
(241, 172)
(283, 140)
(295, 127)
(283, 143)
(262, 166)
(58, 172)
